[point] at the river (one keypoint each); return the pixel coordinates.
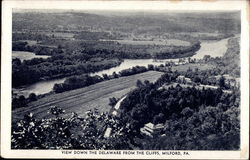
(40, 87)
(212, 48)
(129, 63)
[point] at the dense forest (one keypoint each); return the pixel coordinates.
(230, 62)
(37, 49)
(178, 52)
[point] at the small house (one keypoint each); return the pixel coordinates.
(107, 132)
(188, 80)
(183, 79)
(152, 130)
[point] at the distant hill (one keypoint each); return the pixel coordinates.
(136, 22)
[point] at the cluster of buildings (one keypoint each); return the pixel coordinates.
(183, 79)
(229, 80)
(187, 82)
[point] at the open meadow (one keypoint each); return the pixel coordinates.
(192, 66)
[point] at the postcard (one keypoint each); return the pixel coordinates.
(125, 79)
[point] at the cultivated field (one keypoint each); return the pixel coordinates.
(84, 99)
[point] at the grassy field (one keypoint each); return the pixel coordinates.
(192, 66)
(167, 42)
(84, 99)
(23, 55)
(30, 42)
(61, 34)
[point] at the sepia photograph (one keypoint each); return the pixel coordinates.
(125, 81)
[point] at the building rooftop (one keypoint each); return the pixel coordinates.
(159, 126)
(150, 129)
(149, 125)
(107, 132)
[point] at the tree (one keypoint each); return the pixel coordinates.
(150, 67)
(196, 70)
(222, 82)
(194, 60)
(16, 62)
(187, 112)
(170, 69)
(158, 118)
(15, 103)
(105, 76)
(32, 97)
(189, 69)
(206, 58)
(58, 88)
(197, 79)
(112, 101)
(146, 82)
(115, 75)
(56, 111)
(22, 101)
(139, 83)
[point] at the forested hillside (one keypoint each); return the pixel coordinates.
(192, 118)
(137, 22)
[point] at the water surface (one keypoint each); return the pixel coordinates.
(212, 48)
(40, 87)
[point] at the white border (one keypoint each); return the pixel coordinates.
(121, 5)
